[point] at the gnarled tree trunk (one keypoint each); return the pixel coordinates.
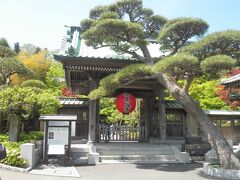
(225, 153)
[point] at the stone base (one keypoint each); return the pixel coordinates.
(156, 141)
(193, 140)
(197, 158)
(220, 173)
(196, 149)
(184, 157)
(93, 158)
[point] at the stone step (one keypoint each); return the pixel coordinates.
(79, 160)
(139, 158)
(138, 161)
(79, 154)
(166, 148)
(80, 148)
(136, 152)
(79, 141)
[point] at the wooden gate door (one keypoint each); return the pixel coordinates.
(82, 125)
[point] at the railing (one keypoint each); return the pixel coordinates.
(121, 133)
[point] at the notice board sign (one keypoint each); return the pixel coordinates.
(57, 135)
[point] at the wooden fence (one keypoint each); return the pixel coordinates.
(121, 133)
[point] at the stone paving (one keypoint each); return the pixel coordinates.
(55, 170)
(121, 172)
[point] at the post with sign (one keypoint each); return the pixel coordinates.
(57, 135)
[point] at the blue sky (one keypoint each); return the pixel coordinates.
(42, 22)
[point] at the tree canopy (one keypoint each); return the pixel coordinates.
(37, 63)
(26, 104)
(3, 42)
(177, 33)
(11, 66)
(126, 26)
(6, 52)
(205, 92)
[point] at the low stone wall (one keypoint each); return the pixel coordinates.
(31, 152)
(16, 169)
(220, 173)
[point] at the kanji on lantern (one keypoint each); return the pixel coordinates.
(125, 103)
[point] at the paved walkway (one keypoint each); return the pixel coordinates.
(122, 172)
(55, 170)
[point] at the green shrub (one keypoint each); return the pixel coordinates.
(12, 145)
(34, 83)
(14, 159)
(4, 137)
(13, 148)
(31, 136)
(215, 165)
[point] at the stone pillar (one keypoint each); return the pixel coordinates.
(27, 151)
(162, 115)
(14, 128)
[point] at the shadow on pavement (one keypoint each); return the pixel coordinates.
(173, 167)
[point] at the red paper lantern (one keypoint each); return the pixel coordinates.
(125, 103)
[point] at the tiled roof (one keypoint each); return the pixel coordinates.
(58, 118)
(233, 81)
(173, 104)
(74, 101)
(222, 114)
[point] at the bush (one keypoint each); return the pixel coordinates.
(13, 148)
(12, 145)
(4, 137)
(34, 83)
(31, 136)
(14, 159)
(215, 165)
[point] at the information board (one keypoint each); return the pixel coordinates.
(58, 135)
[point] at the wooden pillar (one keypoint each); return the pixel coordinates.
(146, 116)
(67, 77)
(45, 146)
(97, 120)
(92, 114)
(69, 139)
(162, 115)
(92, 121)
